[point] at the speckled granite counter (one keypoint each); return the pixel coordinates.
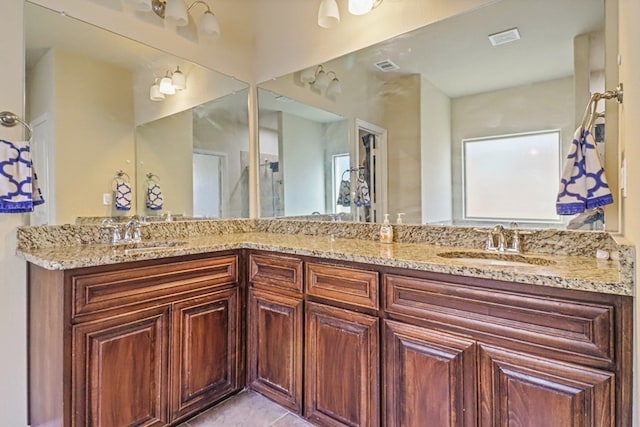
(73, 247)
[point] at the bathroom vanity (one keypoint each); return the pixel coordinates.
(346, 332)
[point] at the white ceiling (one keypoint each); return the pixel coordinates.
(456, 56)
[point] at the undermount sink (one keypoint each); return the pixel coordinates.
(496, 258)
(130, 247)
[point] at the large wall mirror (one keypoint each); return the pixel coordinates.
(414, 104)
(89, 102)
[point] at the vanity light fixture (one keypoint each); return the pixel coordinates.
(322, 81)
(329, 13)
(167, 85)
(176, 12)
(154, 92)
(178, 80)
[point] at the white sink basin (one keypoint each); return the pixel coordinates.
(496, 259)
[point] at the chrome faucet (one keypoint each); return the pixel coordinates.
(132, 231)
(497, 231)
(515, 238)
(115, 236)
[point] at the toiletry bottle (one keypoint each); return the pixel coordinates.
(386, 231)
(399, 218)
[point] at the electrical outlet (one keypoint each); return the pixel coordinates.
(107, 199)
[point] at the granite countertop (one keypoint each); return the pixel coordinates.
(564, 271)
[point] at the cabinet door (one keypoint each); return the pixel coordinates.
(275, 347)
(120, 370)
(521, 390)
(205, 351)
(429, 378)
(341, 367)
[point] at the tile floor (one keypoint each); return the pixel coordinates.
(247, 409)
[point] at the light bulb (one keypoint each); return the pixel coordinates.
(208, 25)
(176, 13)
(328, 14)
(360, 7)
(166, 86)
(335, 88)
(154, 92)
(322, 80)
(178, 80)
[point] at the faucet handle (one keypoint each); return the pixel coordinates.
(115, 228)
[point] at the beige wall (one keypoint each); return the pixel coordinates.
(629, 113)
(13, 312)
(93, 139)
(164, 148)
(435, 150)
(401, 117)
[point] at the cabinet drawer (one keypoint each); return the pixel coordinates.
(568, 329)
(98, 291)
(269, 271)
(343, 284)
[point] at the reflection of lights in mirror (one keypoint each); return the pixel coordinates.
(322, 81)
(168, 85)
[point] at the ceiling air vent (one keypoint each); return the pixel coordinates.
(386, 65)
(503, 37)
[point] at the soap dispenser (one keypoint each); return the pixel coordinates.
(386, 231)
(399, 218)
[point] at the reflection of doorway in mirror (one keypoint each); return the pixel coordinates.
(208, 180)
(371, 161)
(341, 183)
(42, 153)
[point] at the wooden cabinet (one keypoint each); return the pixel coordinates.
(523, 390)
(275, 347)
(275, 328)
(205, 351)
(341, 367)
(138, 344)
(428, 376)
(120, 375)
(544, 356)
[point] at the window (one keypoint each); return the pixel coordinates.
(512, 177)
(340, 165)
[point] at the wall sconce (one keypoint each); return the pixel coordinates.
(176, 12)
(322, 81)
(168, 85)
(329, 13)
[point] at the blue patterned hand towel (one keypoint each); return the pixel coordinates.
(583, 185)
(362, 197)
(123, 195)
(19, 190)
(155, 199)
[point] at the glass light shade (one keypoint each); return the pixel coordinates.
(176, 13)
(322, 80)
(154, 92)
(308, 75)
(328, 14)
(360, 7)
(335, 88)
(166, 86)
(208, 25)
(178, 80)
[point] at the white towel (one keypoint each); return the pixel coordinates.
(123, 195)
(155, 199)
(583, 185)
(19, 190)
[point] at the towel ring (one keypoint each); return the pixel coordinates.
(153, 177)
(120, 174)
(8, 119)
